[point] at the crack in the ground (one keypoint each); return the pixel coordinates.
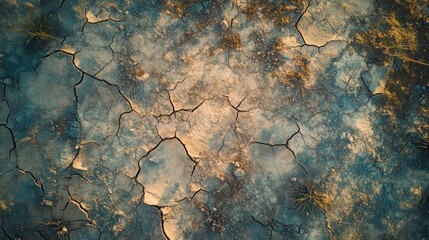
(238, 111)
(62, 3)
(270, 224)
(231, 31)
(7, 121)
(4, 230)
(87, 21)
(77, 154)
(120, 119)
(177, 84)
(14, 146)
(174, 111)
(35, 180)
(134, 182)
(305, 142)
(329, 229)
(111, 59)
(13, 138)
(259, 222)
(370, 93)
(162, 218)
(74, 201)
(299, 19)
(6, 234)
(83, 73)
(76, 103)
(189, 156)
(164, 233)
(302, 36)
(134, 178)
(286, 145)
(158, 144)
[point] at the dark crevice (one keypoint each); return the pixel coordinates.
(90, 75)
(238, 111)
(179, 110)
(285, 145)
(299, 19)
(79, 204)
(77, 154)
(164, 233)
(177, 84)
(268, 225)
(35, 180)
(370, 93)
(120, 119)
(4, 230)
(189, 156)
(259, 222)
(76, 103)
(157, 145)
(62, 3)
(302, 36)
(329, 230)
(74, 158)
(195, 193)
(13, 138)
(113, 56)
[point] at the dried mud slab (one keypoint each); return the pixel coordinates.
(216, 119)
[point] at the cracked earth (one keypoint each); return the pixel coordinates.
(200, 119)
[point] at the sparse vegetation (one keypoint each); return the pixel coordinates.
(36, 28)
(295, 73)
(422, 142)
(268, 52)
(230, 41)
(278, 13)
(308, 197)
(177, 8)
(392, 40)
(397, 40)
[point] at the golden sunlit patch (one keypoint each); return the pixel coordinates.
(230, 41)
(392, 38)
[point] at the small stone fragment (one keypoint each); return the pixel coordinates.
(224, 24)
(293, 179)
(47, 202)
(239, 174)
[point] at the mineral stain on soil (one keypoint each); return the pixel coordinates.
(223, 119)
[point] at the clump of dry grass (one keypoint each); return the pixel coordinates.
(230, 41)
(36, 28)
(396, 40)
(308, 197)
(422, 142)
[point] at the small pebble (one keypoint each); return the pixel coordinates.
(293, 179)
(47, 202)
(224, 24)
(239, 174)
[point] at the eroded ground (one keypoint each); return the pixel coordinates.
(198, 119)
